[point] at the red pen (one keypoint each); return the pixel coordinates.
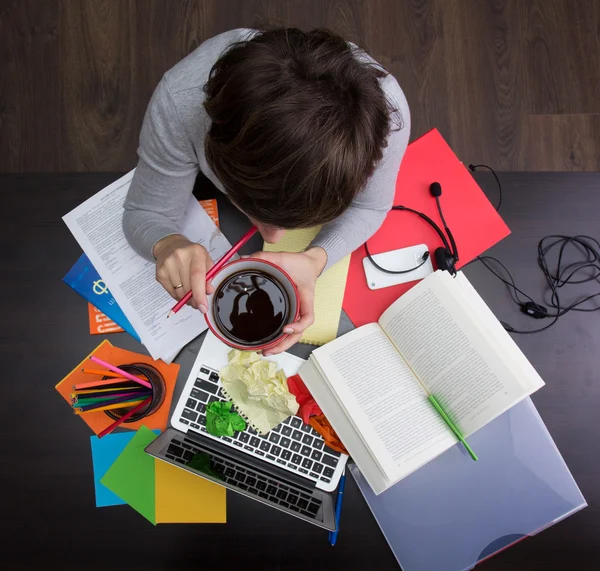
(210, 274)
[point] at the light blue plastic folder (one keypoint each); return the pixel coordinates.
(104, 452)
(452, 513)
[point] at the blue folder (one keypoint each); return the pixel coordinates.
(452, 513)
(86, 281)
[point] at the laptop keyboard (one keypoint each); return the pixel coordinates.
(249, 480)
(292, 444)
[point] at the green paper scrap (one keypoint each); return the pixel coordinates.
(131, 477)
(221, 421)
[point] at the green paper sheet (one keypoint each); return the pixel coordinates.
(131, 477)
(221, 421)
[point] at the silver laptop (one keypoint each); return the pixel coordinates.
(290, 468)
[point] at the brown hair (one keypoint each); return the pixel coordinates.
(298, 125)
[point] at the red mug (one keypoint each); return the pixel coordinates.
(253, 265)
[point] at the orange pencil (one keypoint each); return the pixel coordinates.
(100, 372)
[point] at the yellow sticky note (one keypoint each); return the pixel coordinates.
(329, 291)
(182, 497)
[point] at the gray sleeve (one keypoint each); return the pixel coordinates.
(369, 209)
(164, 178)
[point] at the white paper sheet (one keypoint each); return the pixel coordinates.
(97, 226)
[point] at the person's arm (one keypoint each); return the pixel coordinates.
(369, 209)
(164, 178)
(159, 194)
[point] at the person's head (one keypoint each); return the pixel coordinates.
(298, 125)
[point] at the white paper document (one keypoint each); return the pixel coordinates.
(97, 226)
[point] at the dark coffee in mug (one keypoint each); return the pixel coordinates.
(251, 307)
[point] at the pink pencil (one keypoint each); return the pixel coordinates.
(120, 371)
(211, 273)
(116, 423)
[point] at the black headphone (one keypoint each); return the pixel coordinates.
(445, 256)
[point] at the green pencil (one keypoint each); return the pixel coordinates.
(102, 402)
(438, 407)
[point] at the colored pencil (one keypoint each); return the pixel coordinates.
(103, 406)
(452, 426)
(109, 383)
(100, 372)
(116, 423)
(120, 371)
(117, 400)
(84, 410)
(211, 273)
(100, 392)
(85, 399)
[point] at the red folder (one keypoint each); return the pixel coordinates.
(475, 224)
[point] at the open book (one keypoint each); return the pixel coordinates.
(373, 383)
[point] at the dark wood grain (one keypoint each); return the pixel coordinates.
(414, 52)
(46, 486)
(485, 79)
(99, 101)
(569, 142)
(561, 55)
(76, 75)
(30, 135)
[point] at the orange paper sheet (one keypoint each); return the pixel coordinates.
(101, 324)
(98, 421)
(210, 205)
(471, 217)
(182, 497)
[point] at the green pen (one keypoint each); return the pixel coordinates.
(438, 407)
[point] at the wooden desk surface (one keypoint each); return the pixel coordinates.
(49, 519)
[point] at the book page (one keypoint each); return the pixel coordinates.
(97, 226)
(342, 423)
(456, 357)
(530, 377)
(386, 403)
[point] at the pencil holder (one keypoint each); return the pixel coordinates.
(153, 376)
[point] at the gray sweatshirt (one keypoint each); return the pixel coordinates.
(171, 152)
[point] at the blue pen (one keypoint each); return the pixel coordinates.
(338, 510)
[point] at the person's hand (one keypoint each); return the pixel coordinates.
(181, 266)
(304, 268)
